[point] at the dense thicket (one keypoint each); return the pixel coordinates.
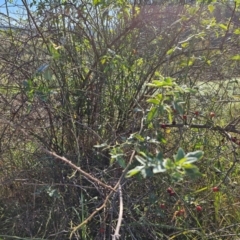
(120, 88)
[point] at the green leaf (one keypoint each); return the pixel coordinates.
(197, 154)
(208, 62)
(139, 62)
(161, 83)
(178, 106)
(156, 100)
(97, 2)
(147, 172)
(137, 136)
(54, 52)
(151, 85)
(151, 114)
(184, 45)
(134, 171)
(181, 162)
(143, 154)
(191, 159)
(160, 138)
(237, 31)
(192, 172)
(159, 168)
(159, 156)
(188, 166)
(159, 97)
(170, 51)
(153, 101)
(211, 8)
(224, 27)
(121, 161)
(116, 157)
(236, 57)
(180, 155)
(141, 160)
(169, 164)
(177, 176)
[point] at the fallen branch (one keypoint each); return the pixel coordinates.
(106, 199)
(120, 216)
(87, 175)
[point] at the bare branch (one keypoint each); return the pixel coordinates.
(87, 175)
(120, 216)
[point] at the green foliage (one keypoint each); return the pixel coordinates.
(178, 167)
(96, 81)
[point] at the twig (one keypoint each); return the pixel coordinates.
(206, 126)
(87, 175)
(106, 199)
(120, 216)
(228, 26)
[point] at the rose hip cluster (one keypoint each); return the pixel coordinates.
(170, 191)
(180, 212)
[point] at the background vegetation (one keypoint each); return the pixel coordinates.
(120, 120)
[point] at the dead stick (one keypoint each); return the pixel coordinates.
(107, 198)
(87, 175)
(120, 216)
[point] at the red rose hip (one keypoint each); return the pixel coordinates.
(212, 114)
(169, 190)
(215, 189)
(199, 208)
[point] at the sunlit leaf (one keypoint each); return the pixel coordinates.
(168, 163)
(196, 154)
(170, 51)
(136, 136)
(134, 171)
(224, 27)
(151, 114)
(161, 83)
(181, 162)
(97, 2)
(237, 31)
(180, 154)
(159, 168)
(140, 159)
(191, 159)
(236, 57)
(168, 130)
(153, 100)
(185, 44)
(211, 8)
